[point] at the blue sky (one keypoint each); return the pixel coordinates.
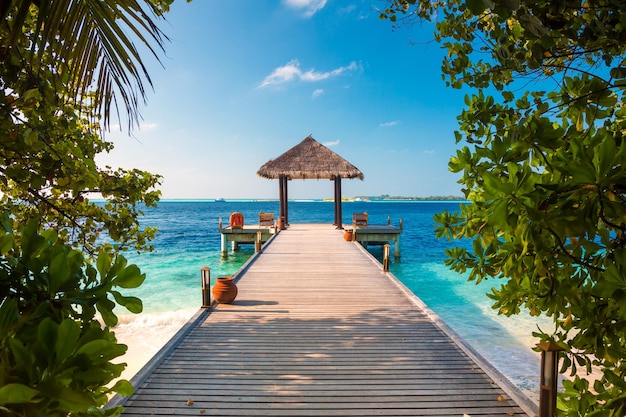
(244, 81)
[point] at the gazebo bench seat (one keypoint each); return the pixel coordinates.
(266, 219)
(359, 219)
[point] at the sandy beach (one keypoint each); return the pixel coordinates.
(146, 334)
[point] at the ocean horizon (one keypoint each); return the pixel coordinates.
(189, 240)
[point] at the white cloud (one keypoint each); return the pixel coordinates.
(318, 92)
(292, 71)
(389, 124)
(348, 9)
(310, 7)
(331, 144)
(148, 126)
(429, 152)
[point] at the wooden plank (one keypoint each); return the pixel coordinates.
(319, 329)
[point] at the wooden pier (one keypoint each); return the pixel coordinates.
(361, 231)
(256, 234)
(378, 234)
(253, 234)
(318, 329)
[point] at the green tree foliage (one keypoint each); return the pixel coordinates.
(62, 64)
(55, 357)
(544, 167)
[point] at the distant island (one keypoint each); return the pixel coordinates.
(386, 197)
(361, 198)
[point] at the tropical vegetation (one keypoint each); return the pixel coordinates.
(543, 164)
(67, 69)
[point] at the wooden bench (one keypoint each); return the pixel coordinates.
(359, 219)
(266, 219)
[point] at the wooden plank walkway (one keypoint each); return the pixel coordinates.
(318, 329)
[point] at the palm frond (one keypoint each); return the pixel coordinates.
(94, 46)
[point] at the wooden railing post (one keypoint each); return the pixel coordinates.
(386, 248)
(549, 377)
(257, 243)
(205, 274)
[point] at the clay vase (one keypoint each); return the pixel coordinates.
(224, 290)
(347, 235)
(236, 220)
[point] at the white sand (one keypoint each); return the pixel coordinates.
(146, 334)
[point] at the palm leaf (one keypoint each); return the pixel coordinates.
(93, 46)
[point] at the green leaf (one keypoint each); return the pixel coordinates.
(6, 223)
(476, 6)
(123, 387)
(67, 341)
(105, 308)
(30, 238)
(75, 400)
(47, 335)
(17, 394)
(94, 349)
(6, 243)
(103, 263)
(9, 315)
(499, 214)
(58, 272)
(533, 25)
(23, 357)
(129, 277)
(618, 72)
(132, 304)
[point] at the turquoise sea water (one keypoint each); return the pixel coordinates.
(188, 240)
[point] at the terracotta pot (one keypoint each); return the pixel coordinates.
(347, 235)
(236, 220)
(224, 290)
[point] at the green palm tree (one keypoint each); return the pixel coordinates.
(90, 45)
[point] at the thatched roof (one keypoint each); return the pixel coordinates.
(309, 160)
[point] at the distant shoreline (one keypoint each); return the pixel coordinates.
(358, 199)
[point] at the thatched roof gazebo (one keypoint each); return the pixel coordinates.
(309, 160)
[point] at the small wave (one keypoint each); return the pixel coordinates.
(150, 320)
(145, 334)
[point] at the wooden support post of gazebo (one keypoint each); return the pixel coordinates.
(338, 214)
(282, 197)
(309, 160)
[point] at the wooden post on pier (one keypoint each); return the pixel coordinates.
(548, 379)
(386, 257)
(224, 247)
(396, 248)
(338, 213)
(257, 242)
(205, 274)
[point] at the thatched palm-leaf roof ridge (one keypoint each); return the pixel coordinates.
(309, 160)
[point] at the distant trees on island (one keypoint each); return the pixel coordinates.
(386, 197)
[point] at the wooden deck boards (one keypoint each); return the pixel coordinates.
(318, 329)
